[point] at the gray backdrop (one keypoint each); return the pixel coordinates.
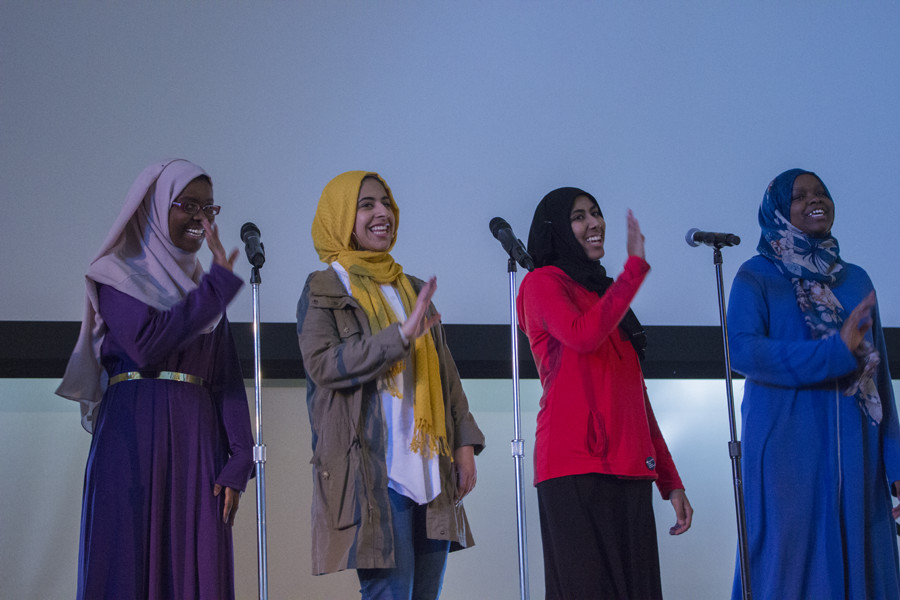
(681, 111)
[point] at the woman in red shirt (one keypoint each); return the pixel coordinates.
(597, 445)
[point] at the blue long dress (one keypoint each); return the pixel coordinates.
(151, 527)
(816, 470)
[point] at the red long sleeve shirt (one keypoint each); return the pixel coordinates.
(594, 415)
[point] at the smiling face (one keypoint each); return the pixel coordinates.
(812, 211)
(588, 226)
(374, 228)
(186, 231)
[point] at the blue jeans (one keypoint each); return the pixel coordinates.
(420, 561)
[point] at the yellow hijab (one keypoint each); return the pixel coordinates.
(332, 231)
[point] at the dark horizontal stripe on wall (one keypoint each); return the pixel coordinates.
(40, 349)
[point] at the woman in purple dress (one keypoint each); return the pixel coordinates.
(172, 448)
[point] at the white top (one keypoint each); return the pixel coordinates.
(409, 474)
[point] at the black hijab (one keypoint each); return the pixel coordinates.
(551, 242)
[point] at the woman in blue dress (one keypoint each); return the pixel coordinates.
(821, 440)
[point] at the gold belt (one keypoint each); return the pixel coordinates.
(170, 375)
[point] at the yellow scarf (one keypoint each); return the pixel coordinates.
(332, 230)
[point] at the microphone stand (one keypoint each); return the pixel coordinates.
(517, 444)
(734, 446)
(259, 450)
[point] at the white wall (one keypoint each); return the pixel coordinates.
(45, 451)
(683, 111)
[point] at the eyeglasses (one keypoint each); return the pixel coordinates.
(191, 208)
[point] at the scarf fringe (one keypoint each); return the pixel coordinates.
(863, 386)
(426, 443)
(390, 381)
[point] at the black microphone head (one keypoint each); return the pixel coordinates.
(498, 223)
(735, 240)
(689, 238)
(247, 228)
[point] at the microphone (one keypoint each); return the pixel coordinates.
(256, 251)
(513, 245)
(695, 237)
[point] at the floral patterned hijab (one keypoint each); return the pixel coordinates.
(795, 253)
(814, 265)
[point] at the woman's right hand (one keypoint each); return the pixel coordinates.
(635, 242)
(858, 323)
(416, 324)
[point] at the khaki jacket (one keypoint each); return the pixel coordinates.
(351, 517)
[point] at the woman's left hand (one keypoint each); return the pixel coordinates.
(635, 239)
(216, 247)
(466, 473)
(858, 323)
(683, 512)
(232, 499)
(895, 512)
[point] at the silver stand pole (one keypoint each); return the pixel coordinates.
(518, 445)
(259, 450)
(734, 446)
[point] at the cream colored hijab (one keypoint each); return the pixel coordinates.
(139, 259)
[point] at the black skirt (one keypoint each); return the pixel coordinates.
(599, 538)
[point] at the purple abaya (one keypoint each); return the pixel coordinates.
(151, 527)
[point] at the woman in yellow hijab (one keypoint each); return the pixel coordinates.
(393, 439)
